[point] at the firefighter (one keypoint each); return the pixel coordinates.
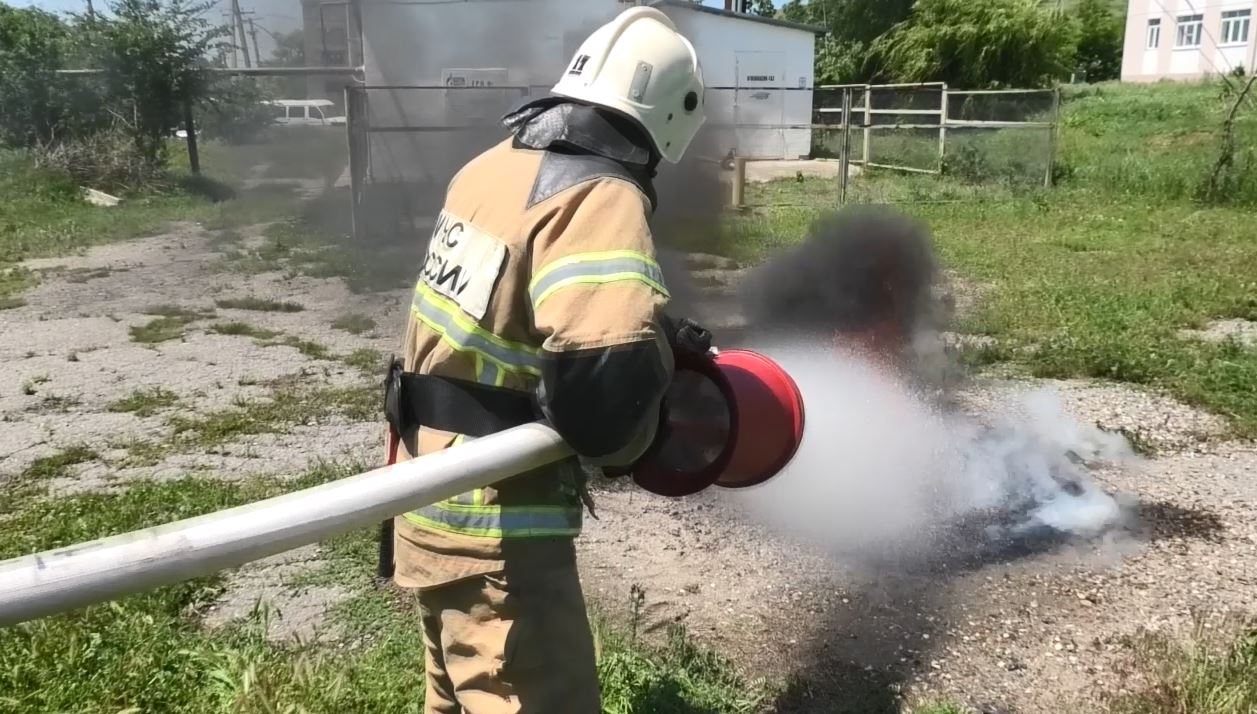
(540, 297)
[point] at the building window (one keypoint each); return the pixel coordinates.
(1190, 29)
(1235, 26)
(1154, 33)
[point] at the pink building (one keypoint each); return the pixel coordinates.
(1187, 39)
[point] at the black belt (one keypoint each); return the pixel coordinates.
(455, 405)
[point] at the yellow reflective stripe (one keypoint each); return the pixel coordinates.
(597, 268)
(460, 333)
(498, 522)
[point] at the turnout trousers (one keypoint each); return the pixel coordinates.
(509, 643)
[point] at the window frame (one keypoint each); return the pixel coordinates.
(1183, 26)
(1239, 18)
(1152, 34)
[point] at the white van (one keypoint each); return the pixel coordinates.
(304, 112)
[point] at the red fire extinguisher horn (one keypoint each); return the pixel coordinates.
(771, 428)
(735, 420)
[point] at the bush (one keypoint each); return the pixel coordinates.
(38, 106)
(107, 160)
(979, 43)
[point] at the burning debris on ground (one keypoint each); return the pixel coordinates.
(900, 475)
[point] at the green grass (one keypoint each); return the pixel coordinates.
(366, 360)
(258, 305)
(309, 348)
(289, 406)
(145, 403)
(162, 329)
(1160, 141)
(1090, 287)
(146, 652)
(45, 216)
(1097, 277)
(354, 323)
(243, 329)
(58, 465)
(171, 324)
(1203, 674)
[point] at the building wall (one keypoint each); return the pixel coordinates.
(1166, 61)
(756, 75)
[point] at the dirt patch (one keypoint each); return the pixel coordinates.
(1026, 632)
(1242, 331)
(295, 612)
(1157, 422)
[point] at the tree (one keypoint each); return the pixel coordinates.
(154, 54)
(843, 55)
(763, 8)
(290, 50)
(979, 43)
(1100, 32)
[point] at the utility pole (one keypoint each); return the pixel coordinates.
(244, 42)
(91, 11)
(235, 42)
(253, 32)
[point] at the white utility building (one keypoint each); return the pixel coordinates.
(419, 55)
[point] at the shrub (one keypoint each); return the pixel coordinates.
(38, 106)
(107, 160)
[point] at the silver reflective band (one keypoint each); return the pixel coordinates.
(598, 272)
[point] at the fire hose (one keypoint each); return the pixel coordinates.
(736, 420)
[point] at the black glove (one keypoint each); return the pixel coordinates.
(661, 434)
(685, 335)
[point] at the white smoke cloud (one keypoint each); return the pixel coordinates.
(881, 472)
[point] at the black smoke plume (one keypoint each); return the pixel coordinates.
(858, 269)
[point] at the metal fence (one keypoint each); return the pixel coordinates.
(407, 141)
(855, 142)
(984, 139)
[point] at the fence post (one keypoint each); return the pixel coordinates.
(353, 120)
(942, 130)
(194, 156)
(739, 182)
(844, 163)
(868, 123)
(1056, 123)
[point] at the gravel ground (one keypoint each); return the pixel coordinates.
(1032, 631)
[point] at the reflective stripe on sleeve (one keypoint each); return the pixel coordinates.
(596, 269)
(500, 521)
(496, 354)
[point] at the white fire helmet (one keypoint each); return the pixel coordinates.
(639, 65)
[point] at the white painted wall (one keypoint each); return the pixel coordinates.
(785, 54)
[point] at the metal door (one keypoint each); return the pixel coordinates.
(759, 104)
